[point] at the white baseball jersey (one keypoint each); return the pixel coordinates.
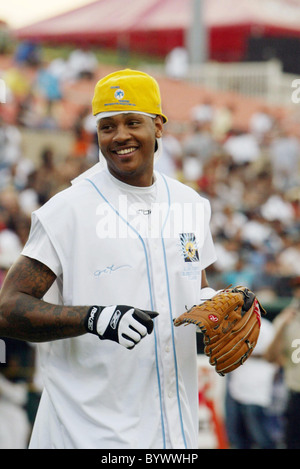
(111, 243)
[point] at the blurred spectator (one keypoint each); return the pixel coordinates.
(203, 112)
(82, 63)
(200, 143)
(59, 69)
(170, 159)
(12, 216)
(20, 173)
(192, 170)
(277, 207)
(10, 248)
(5, 37)
(266, 280)
(85, 136)
(222, 122)
(224, 183)
(28, 53)
(48, 84)
(69, 169)
(17, 82)
(90, 130)
(242, 147)
(261, 123)
(242, 274)
(14, 422)
(16, 371)
(284, 351)
(46, 177)
(249, 394)
(293, 196)
(227, 222)
(177, 63)
(275, 411)
(10, 149)
(289, 257)
(198, 148)
(227, 252)
(49, 88)
(255, 231)
(28, 111)
(285, 160)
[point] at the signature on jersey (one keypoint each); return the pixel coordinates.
(110, 269)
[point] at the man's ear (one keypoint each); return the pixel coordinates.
(158, 122)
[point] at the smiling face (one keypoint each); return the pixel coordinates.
(127, 142)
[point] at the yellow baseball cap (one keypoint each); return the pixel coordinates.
(127, 90)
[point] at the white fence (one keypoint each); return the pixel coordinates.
(254, 79)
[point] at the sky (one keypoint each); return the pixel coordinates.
(18, 13)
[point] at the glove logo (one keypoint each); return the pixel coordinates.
(213, 318)
(115, 319)
(91, 318)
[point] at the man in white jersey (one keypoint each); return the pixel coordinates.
(116, 257)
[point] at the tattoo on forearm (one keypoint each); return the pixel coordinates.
(27, 316)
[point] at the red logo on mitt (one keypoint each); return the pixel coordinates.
(213, 318)
(257, 312)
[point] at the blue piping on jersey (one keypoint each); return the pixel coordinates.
(151, 299)
(170, 311)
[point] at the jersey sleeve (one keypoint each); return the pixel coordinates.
(208, 251)
(40, 247)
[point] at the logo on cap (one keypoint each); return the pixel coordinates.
(119, 94)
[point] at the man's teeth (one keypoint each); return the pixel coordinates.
(125, 151)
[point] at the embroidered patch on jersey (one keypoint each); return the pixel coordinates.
(190, 253)
(189, 247)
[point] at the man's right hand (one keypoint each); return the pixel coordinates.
(123, 324)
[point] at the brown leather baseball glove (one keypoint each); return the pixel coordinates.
(230, 323)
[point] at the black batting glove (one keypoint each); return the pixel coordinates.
(120, 323)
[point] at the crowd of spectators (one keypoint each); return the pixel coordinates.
(251, 177)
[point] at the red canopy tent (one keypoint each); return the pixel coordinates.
(157, 26)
